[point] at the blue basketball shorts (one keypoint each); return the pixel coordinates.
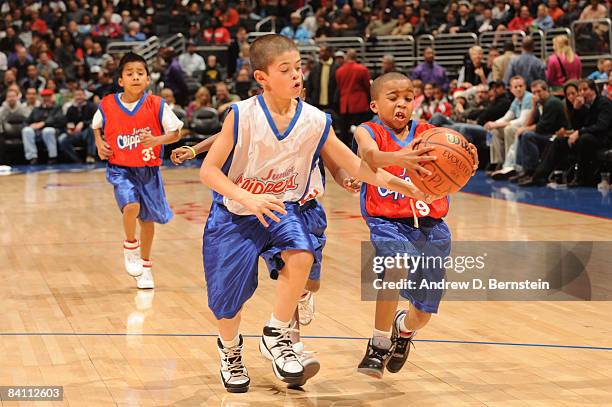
(433, 238)
(231, 248)
(316, 223)
(142, 185)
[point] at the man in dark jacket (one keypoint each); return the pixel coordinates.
(45, 121)
(594, 135)
(321, 83)
(78, 129)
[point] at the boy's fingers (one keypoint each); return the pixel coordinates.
(277, 208)
(427, 158)
(271, 215)
(422, 169)
(262, 220)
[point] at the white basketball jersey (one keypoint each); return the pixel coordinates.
(264, 161)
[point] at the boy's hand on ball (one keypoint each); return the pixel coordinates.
(411, 159)
(147, 139)
(474, 152)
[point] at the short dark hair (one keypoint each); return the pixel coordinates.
(590, 83)
(509, 46)
(132, 57)
(570, 84)
(267, 47)
(381, 80)
(527, 44)
(540, 83)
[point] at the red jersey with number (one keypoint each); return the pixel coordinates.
(380, 202)
(122, 129)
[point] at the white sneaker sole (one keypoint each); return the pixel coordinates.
(289, 380)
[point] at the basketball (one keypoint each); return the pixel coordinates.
(454, 166)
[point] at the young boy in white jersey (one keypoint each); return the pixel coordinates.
(260, 168)
(130, 129)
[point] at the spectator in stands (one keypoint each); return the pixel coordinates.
(554, 11)
(174, 77)
(85, 27)
(216, 33)
(595, 134)
(345, 24)
(474, 105)
(594, 11)
(202, 99)
(168, 97)
(381, 26)
(294, 31)
(353, 81)
(46, 65)
(243, 83)
(38, 24)
(387, 64)
(20, 60)
(339, 58)
(547, 117)
(474, 72)
(522, 22)
(362, 14)
(323, 27)
(78, 129)
(213, 73)
(9, 79)
(572, 13)
(500, 64)
(504, 129)
(45, 122)
(3, 63)
(31, 100)
(228, 16)
(403, 26)
(244, 60)
(321, 83)
(33, 79)
(12, 106)
(223, 99)
(430, 72)
(564, 65)
(527, 65)
(235, 49)
(604, 67)
(465, 22)
(133, 32)
(487, 23)
(445, 27)
(96, 57)
(191, 61)
(106, 28)
(543, 20)
(425, 24)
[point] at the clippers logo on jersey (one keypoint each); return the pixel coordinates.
(271, 184)
(122, 130)
(377, 201)
(131, 141)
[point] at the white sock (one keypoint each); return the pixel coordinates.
(275, 323)
(381, 339)
(402, 324)
(230, 344)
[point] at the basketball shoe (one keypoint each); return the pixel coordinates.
(131, 257)
(401, 343)
(234, 375)
(306, 308)
(374, 361)
(145, 280)
(276, 345)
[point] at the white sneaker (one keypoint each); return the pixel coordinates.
(145, 280)
(310, 363)
(131, 256)
(234, 375)
(276, 346)
(306, 308)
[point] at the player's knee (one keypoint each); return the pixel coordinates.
(298, 258)
(131, 209)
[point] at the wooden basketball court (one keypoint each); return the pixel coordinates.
(72, 317)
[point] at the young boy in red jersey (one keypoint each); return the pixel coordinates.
(130, 130)
(399, 224)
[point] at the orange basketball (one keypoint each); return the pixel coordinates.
(454, 166)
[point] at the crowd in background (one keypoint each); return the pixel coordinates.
(528, 116)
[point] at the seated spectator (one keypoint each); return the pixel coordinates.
(44, 122)
(46, 65)
(20, 60)
(191, 61)
(449, 23)
(228, 16)
(554, 11)
(168, 97)
(33, 79)
(473, 106)
(213, 73)
(202, 99)
(430, 72)
(243, 84)
(216, 34)
(425, 24)
(504, 129)
(500, 10)
(403, 26)
(85, 26)
(563, 66)
(522, 22)
(133, 32)
(543, 20)
(604, 67)
(381, 26)
(324, 28)
(534, 137)
(427, 107)
(488, 23)
(97, 56)
(9, 79)
(223, 99)
(106, 28)
(12, 106)
(294, 31)
(31, 100)
(527, 65)
(345, 24)
(474, 72)
(244, 60)
(78, 129)
(594, 11)
(465, 22)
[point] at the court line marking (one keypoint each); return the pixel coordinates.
(350, 338)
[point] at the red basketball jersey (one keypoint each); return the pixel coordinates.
(122, 129)
(376, 201)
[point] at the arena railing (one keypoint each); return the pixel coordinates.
(252, 36)
(176, 41)
(423, 42)
(539, 44)
(309, 50)
(220, 51)
(345, 43)
(148, 49)
(592, 40)
(495, 39)
(401, 47)
(268, 20)
(451, 49)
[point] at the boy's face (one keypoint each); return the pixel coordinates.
(134, 78)
(283, 76)
(393, 104)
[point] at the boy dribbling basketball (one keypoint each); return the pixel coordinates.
(136, 126)
(399, 224)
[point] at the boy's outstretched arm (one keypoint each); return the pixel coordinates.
(212, 176)
(182, 154)
(335, 151)
(342, 177)
(405, 158)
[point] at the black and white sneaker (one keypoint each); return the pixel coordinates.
(276, 345)
(374, 362)
(234, 375)
(401, 344)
